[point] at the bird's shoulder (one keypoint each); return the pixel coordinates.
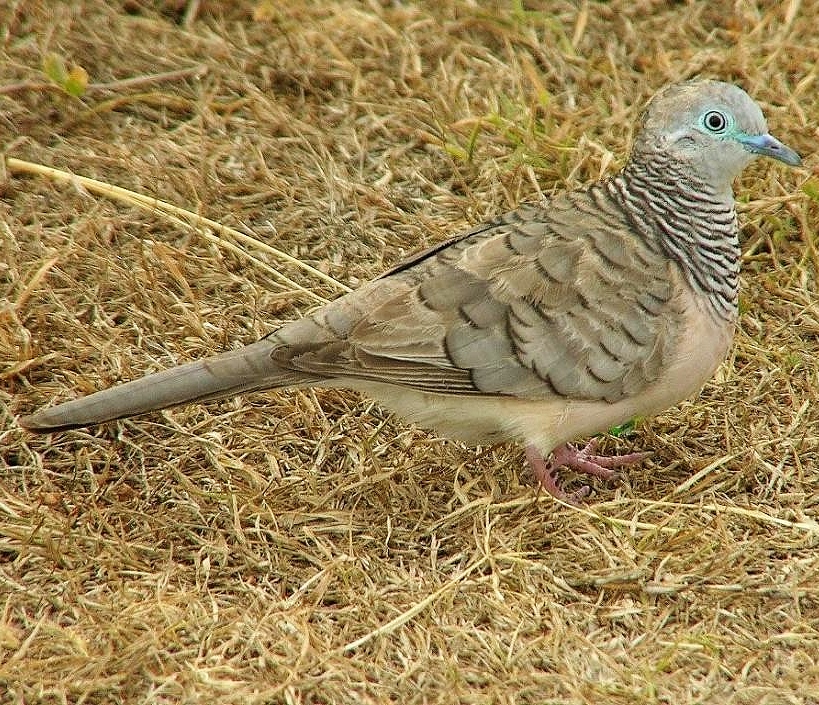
(553, 228)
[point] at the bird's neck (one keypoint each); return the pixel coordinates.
(693, 222)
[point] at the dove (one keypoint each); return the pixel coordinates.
(556, 321)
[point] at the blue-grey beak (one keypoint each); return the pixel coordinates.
(768, 146)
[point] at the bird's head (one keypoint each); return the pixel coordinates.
(715, 128)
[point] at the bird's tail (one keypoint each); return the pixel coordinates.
(233, 372)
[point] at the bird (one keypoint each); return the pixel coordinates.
(552, 322)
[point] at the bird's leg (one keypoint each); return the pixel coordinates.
(583, 460)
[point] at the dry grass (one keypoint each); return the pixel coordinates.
(305, 547)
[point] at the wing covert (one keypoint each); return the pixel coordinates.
(562, 298)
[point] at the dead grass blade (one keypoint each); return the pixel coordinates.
(199, 223)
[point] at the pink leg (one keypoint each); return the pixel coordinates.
(582, 460)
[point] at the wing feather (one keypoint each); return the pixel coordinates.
(562, 298)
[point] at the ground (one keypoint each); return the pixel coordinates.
(306, 547)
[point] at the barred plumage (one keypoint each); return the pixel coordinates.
(696, 227)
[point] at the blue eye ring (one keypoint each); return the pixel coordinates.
(715, 121)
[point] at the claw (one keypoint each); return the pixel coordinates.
(583, 460)
(546, 475)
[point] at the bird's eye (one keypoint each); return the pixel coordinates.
(715, 121)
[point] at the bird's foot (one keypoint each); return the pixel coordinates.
(583, 460)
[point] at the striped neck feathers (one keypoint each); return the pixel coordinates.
(694, 223)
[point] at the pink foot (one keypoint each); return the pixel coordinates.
(582, 460)
(546, 474)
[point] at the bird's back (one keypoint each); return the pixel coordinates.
(562, 298)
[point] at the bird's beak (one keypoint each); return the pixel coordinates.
(768, 146)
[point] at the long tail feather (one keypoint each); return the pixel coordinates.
(233, 372)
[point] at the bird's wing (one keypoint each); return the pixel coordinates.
(564, 298)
